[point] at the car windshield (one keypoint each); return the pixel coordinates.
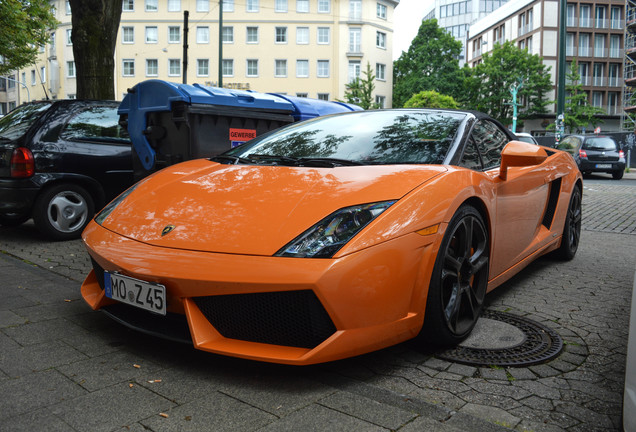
(364, 137)
(600, 143)
(18, 121)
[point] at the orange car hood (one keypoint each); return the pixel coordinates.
(252, 210)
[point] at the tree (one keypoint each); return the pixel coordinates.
(578, 112)
(360, 90)
(95, 25)
(431, 63)
(488, 84)
(26, 26)
(431, 99)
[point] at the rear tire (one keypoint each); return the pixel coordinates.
(617, 175)
(571, 228)
(459, 280)
(63, 211)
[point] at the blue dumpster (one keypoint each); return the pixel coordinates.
(169, 123)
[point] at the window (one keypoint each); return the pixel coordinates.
(203, 67)
(323, 69)
(324, 35)
(614, 75)
(598, 77)
(600, 16)
(281, 68)
(599, 46)
(380, 39)
(585, 16)
(252, 35)
(597, 99)
(355, 10)
(174, 34)
(33, 80)
(70, 69)
(302, 35)
(174, 67)
(24, 77)
(615, 46)
(67, 4)
(584, 44)
(302, 68)
(251, 6)
(612, 103)
(302, 95)
(354, 70)
(471, 159)
(174, 5)
(281, 34)
(128, 6)
(381, 11)
(203, 35)
(615, 17)
(281, 6)
(69, 38)
(584, 73)
(324, 6)
(302, 6)
(127, 35)
(571, 15)
(152, 67)
(569, 44)
(203, 5)
(380, 72)
(354, 40)
(380, 101)
(151, 35)
(323, 96)
(252, 67)
(228, 5)
(94, 124)
(228, 67)
(129, 67)
(228, 34)
(152, 5)
(490, 142)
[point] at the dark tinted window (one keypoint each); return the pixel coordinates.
(96, 124)
(471, 159)
(368, 137)
(490, 141)
(18, 121)
(600, 143)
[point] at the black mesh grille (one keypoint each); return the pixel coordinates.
(553, 199)
(288, 318)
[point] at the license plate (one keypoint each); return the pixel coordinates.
(603, 166)
(135, 292)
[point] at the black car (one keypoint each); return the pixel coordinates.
(59, 162)
(595, 153)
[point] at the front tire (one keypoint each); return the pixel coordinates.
(63, 211)
(617, 175)
(572, 228)
(459, 280)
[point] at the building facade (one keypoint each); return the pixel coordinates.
(308, 48)
(594, 39)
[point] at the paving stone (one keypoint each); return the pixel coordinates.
(10, 319)
(425, 424)
(41, 420)
(23, 360)
(491, 414)
(464, 370)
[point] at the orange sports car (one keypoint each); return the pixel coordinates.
(333, 237)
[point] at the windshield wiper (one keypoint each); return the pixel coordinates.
(326, 162)
(275, 159)
(233, 160)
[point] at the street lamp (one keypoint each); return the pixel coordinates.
(514, 89)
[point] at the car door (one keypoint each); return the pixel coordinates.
(521, 200)
(98, 147)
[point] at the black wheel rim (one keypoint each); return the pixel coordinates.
(464, 275)
(574, 221)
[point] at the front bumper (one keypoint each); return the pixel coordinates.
(284, 310)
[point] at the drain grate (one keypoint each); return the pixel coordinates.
(539, 345)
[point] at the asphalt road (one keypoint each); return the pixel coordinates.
(64, 367)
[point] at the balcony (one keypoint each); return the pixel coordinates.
(598, 81)
(616, 53)
(585, 22)
(601, 23)
(585, 52)
(600, 52)
(615, 82)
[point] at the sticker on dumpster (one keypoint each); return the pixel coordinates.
(242, 134)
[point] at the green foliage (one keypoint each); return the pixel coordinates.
(26, 26)
(431, 99)
(431, 63)
(360, 90)
(488, 84)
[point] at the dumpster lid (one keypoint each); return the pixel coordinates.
(306, 108)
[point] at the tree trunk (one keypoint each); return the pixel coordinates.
(94, 35)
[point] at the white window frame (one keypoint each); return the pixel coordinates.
(302, 35)
(354, 70)
(224, 63)
(322, 4)
(156, 64)
(380, 39)
(355, 40)
(174, 5)
(34, 80)
(228, 5)
(281, 6)
(251, 6)
(381, 11)
(71, 72)
(380, 67)
(283, 33)
(149, 32)
(282, 62)
(124, 30)
(149, 4)
(323, 96)
(302, 6)
(203, 5)
(173, 62)
(247, 68)
(43, 74)
(228, 31)
(203, 63)
(69, 37)
(320, 68)
(126, 62)
(321, 32)
(247, 35)
(173, 41)
(380, 101)
(203, 34)
(128, 6)
(302, 68)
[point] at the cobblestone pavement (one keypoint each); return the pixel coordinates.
(71, 369)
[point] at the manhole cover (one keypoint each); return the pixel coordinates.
(502, 339)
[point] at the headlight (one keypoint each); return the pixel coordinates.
(106, 211)
(325, 238)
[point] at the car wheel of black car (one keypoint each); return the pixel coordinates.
(572, 228)
(63, 211)
(617, 175)
(459, 280)
(12, 220)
